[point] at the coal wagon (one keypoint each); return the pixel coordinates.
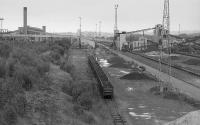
(104, 85)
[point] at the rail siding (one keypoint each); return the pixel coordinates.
(186, 54)
(105, 86)
(174, 66)
(183, 86)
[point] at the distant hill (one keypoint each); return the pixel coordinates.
(193, 33)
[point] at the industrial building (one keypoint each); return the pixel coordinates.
(29, 33)
(28, 29)
(32, 30)
(140, 44)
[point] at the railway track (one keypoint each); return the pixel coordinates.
(185, 54)
(114, 113)
(104, 84)
(164, 63)
(176, 68)
(106, 90)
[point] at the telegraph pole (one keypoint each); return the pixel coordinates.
(115, 44)
(99, 28)
(96, 32)
(166, 16)
(96, 29)
(165, 35)
(115, 27)
(80, 33)
(1, 19)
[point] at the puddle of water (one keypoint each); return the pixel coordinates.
(130, 108)
(130, 89)
(159, 122)
(125, 72)
(102, 60)
(104, 63)
(142, 106)
(144, 115)
(116, 75)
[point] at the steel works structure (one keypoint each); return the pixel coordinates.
(161, 37)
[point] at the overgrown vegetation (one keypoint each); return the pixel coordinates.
(84, 94)
(23, 69)
(28, 89)
(87, 103)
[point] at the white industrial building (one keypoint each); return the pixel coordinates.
(141, 44)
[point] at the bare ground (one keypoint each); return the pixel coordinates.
(83, 73)
(137, 104)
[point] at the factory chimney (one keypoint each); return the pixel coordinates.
(25, 20)
(44, 29)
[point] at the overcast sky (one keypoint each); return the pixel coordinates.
(62, 15)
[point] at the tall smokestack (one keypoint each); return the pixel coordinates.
(25, 20)
(44, 29)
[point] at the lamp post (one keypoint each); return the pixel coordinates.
(1, 19)
(80, 33)
(100, 28)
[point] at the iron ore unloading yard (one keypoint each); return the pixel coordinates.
(149, 76)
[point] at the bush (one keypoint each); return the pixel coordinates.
(2, 68)
(58, 49)
(25, 57)
(82, 93)
(5, 50)
(67, 88)
(3, 98)
(64, 43)
(21, 69)
(26, 76)
(10, 67)
(41, 47)
(77, 109)
(76, 92)
(43, 67)
(85, 100)
(20, 104)
(10, 115)
(67, 67)
(55, 57)
(88, 118)
(31, 59)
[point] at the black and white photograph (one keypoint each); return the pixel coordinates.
(99, 62)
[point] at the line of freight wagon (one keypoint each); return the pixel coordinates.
(104, 85)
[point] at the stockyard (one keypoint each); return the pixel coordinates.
(58, 68)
